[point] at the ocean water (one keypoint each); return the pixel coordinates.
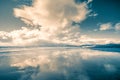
(50, 63)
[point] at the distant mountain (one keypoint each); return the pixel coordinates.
(107, 46)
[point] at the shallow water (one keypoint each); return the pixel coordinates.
(58, 64)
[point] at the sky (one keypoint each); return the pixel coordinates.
(98, 19)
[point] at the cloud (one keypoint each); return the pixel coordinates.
(106, 26)
(35, 37)
(46, 14)
(50, 21)
(89, 1)
(109, 26)
(117, 26)
(93, 15)
(24, 36)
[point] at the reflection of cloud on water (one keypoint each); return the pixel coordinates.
(110, 68)
(65, 64)
(34, 57)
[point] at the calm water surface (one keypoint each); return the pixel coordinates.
(58, 64)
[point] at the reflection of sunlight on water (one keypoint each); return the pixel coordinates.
(65, 64)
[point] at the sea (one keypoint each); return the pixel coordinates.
(59, 63)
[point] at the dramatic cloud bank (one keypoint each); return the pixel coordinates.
(51, 23)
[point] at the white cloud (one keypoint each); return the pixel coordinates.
(26, 36)
(54, 20)
(54, 17)
(89, 1)
(51, 24)
(117, 27)
(95, 30)
(106, 26)
(109, 26)
(52, 14)
(93, 15)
